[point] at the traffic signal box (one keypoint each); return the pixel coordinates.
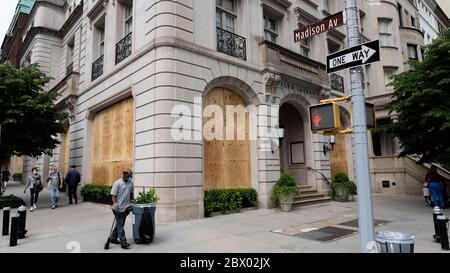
(325, 117)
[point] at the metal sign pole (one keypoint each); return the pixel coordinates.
(361, 160)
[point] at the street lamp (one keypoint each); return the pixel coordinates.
(280, 133)
(327, 148)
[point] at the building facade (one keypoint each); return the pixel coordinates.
(128, 72)
(432, 19)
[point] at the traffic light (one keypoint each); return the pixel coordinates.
(324, 117)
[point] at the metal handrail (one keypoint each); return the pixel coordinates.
(233, 45)
(96, 68)
(123, 48)
(324, 177)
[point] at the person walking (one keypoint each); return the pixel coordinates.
(5, 178)
(122, 196)
(73, 179)
(35, 185)
(434, 180)
(55, 183)
(426, 194)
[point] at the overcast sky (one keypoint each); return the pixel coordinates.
(7, 10)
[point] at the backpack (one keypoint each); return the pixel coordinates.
(37, 184)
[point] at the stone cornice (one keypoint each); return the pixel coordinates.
(73, 18)
(97, 9)
(32, 34)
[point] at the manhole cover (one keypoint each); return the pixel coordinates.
(326, 234)
(354, 223)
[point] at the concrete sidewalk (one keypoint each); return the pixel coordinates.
(85, 228)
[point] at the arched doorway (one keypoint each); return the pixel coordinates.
(293, 151)
(226, 161)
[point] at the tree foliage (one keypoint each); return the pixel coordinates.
(422, 100)
(28, 118)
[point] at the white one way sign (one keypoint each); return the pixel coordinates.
(355, 56)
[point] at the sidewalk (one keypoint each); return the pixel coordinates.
(87, 225)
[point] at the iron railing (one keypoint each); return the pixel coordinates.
(337, 82)
(231, 44)
(97, 68)
(69, 69)
(123, 48)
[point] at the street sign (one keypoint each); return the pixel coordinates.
(324, 117)
(333, 21)
(354, 56)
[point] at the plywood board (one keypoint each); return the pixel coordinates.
(66, 151)
(113, 142)
(227, 162)
(339, 156)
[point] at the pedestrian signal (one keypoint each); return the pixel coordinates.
(324, 117)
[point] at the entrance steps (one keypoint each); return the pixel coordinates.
(308, 196)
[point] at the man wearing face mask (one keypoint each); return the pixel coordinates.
(122, 196)
(35, 185)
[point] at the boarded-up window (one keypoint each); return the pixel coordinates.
(67, 151)
(112, 142)
(227, 162)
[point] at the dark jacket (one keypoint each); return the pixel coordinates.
(73, 178)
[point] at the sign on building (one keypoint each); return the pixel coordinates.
(354, 56)
(324, 117)
(331, 22)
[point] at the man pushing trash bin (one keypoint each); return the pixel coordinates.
(122, 196)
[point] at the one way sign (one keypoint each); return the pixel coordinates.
(354, 56)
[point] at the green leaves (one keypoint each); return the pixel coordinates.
(30, 123)
(229, 200)
(149, 197)
(421, 101)
(99, 191)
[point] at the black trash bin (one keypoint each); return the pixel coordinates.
(143, 223)
(394, 242)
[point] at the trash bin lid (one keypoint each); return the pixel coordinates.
(394, 237)
(143, 205)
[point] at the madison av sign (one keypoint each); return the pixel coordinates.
(326, 24)
(354, 56)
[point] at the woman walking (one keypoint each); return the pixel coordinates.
(35, 185)
(434, 180)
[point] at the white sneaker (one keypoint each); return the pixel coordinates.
(32, 208)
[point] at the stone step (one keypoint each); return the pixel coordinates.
(311, 201)
(310, 195)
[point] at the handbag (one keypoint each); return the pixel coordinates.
(38, 186)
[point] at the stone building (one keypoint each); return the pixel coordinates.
(127, 71)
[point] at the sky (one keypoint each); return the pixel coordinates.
(445, 5)
(7, 9)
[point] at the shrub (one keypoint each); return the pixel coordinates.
(342, 179)
(149, 197)
(11, 201)
(17, 175)
(285, 185)
(229, 200)
(98, 191)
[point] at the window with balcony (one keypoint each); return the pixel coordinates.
(124, 46)
(270, 29)
(385, 31)
(227, 41)
(99, 49)
(226, 15)
(412, 52)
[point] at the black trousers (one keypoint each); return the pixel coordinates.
(34, 196)
(73, 193)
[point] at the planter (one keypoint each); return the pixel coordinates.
(341, 193)
(287, 202)
(106, 200)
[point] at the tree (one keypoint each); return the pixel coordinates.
(421, 99)
(28, 118)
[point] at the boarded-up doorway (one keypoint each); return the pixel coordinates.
(339, 162)
(227, 162)
(113, 142)
(67, 151)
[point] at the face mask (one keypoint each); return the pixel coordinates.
(130, 178)
(35, 172)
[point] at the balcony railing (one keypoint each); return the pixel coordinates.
(69, 69)
(97, 68)
(231, 44)
(123, 48)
